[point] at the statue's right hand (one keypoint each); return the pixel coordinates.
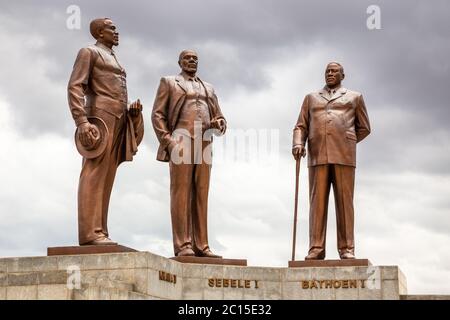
(87, 133)
(298, 151)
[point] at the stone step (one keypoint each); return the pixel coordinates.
(424, 297)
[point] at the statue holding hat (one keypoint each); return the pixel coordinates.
(108, 128)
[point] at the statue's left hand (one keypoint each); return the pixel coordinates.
(135, 108)
(222, 126)
(219, 124)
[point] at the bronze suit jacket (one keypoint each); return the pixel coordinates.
(97, 87)
(169, 100)
(332, 126)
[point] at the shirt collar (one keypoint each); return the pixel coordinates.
(101, 45)
(334, 90)
(188, 77)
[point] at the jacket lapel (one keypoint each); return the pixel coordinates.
(208, 100)
(339, 93)
(180, 82)
(177, 100)
(324, 94)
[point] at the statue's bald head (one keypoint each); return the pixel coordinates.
(334, 74)
(97, 25)
(338, 64)
(185, 52)
(188, 60)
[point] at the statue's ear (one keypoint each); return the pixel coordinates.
(100, 32)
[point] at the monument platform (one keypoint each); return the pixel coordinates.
(329, 263)
(206, 260)
(144, 275)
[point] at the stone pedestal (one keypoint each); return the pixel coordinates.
(143, 275)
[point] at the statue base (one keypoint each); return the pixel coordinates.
(144, 275)
(329, 263)
(206, 260)
(76, 250)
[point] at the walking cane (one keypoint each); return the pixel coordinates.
(297, 175)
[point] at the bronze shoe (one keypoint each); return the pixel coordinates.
(186, 252)
(101, 241)
(208, 254)
(347, 255)
(315, 255)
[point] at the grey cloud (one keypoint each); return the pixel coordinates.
(395, 64)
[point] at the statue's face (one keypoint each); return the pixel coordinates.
(109, 34)
(333, 75)
(189, 62)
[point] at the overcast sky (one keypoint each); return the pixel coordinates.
(262, 57)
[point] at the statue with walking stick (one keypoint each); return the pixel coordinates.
(332, 121)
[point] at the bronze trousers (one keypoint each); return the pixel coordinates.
(96, 181)
(321, 178)
(189, 187)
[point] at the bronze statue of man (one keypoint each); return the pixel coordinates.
(108, 132)
(185, 110)
(332, 120)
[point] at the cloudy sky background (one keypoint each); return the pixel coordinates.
(262, 57)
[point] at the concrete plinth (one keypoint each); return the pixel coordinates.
(143, 275)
